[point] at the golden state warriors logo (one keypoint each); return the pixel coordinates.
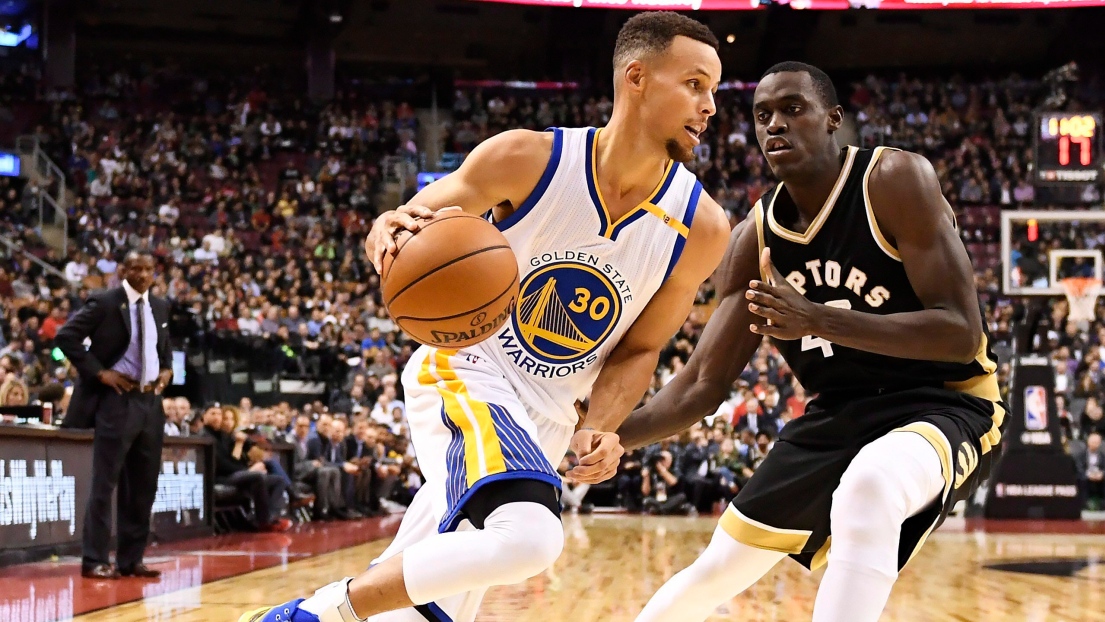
(565, 311)
(568, 306)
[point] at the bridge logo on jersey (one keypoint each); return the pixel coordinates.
(567, 308)
(565, 311)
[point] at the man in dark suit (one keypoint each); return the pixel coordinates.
(122, 374)
(325, 480)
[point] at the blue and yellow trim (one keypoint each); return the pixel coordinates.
(688, 218)
(542, 185)
(487, 444)
(483, 454)
(608, 227)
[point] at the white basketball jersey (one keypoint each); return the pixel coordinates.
(584, 277)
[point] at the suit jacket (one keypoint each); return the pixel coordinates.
(350, 449)
(318, 448)
(1081, 455)
(105, 319)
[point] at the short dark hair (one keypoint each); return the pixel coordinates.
(652, 32)
(821, 80)
(136, 253)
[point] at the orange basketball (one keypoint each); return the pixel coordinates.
(453, 283)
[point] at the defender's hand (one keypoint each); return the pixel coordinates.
(599, 455)
(381, 239)
(789, 314)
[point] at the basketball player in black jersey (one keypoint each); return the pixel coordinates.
(853, 267)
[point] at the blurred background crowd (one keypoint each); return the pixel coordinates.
(255, 202)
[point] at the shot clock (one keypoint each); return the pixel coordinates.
(1068, 147)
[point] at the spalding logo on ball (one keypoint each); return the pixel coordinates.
(452, 284)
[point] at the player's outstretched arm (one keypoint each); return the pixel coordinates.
(720, 356)
(502, 169)
(628, 370)
(905, 196)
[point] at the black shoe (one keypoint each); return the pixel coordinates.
(352, 515)
(99, 571)
(586, 508)
(140, 570)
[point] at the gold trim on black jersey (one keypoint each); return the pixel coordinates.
(822, 216)
(985, 386)
(762, 536)
(876, 232)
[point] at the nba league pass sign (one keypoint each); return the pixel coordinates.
(1033, 477)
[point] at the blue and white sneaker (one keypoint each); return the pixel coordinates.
(326, 600)
(288, 612)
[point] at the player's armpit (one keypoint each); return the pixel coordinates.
(505, 167)
(628, 371)
(913, 214)
(724, 349)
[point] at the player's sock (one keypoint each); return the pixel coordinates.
(724, 569)
(890, 480)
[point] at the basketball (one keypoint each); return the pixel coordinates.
(453, 283)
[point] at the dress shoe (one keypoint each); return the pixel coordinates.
(99, 571)
(141, 571)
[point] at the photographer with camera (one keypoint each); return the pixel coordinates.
(663, 487)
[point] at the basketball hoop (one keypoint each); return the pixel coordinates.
(1082, 293)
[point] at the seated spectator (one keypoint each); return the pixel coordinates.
(324, 480)
(334, 456)
(173, 418)
(360, 450)
(1089, 460)
(1092, 420)
(265, 491)
(13, 392)
(662, 487)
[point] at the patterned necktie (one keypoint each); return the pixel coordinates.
(140, 305)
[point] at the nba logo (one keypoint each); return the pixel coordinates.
(1035, 408)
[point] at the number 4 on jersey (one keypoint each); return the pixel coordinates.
(809, 342)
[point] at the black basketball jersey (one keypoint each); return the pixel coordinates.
(843, 260)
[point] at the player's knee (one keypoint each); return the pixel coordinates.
(529, 538)
(864, 500)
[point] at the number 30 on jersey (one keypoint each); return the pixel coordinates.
(809, 342)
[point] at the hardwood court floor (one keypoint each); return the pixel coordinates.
(612, 564)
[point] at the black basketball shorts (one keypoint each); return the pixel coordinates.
(785, 506)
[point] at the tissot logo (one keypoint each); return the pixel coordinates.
(36, 497)
(179, 489)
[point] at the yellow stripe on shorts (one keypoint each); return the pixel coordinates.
(483, 455)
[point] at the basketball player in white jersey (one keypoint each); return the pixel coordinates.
(613, 238)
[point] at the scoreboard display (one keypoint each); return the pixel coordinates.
(1068, 147)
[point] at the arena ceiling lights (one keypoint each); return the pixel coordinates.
(744, 5)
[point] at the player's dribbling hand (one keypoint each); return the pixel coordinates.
(381, 239)
(788, 313)
(599, 455)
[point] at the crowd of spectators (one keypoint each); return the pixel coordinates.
(257, 201)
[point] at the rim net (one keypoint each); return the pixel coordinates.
(1082, 293)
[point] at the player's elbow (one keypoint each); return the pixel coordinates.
(968, 342)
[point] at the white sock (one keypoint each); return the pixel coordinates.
(725, 569)
(326, 601)
(889, 480)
